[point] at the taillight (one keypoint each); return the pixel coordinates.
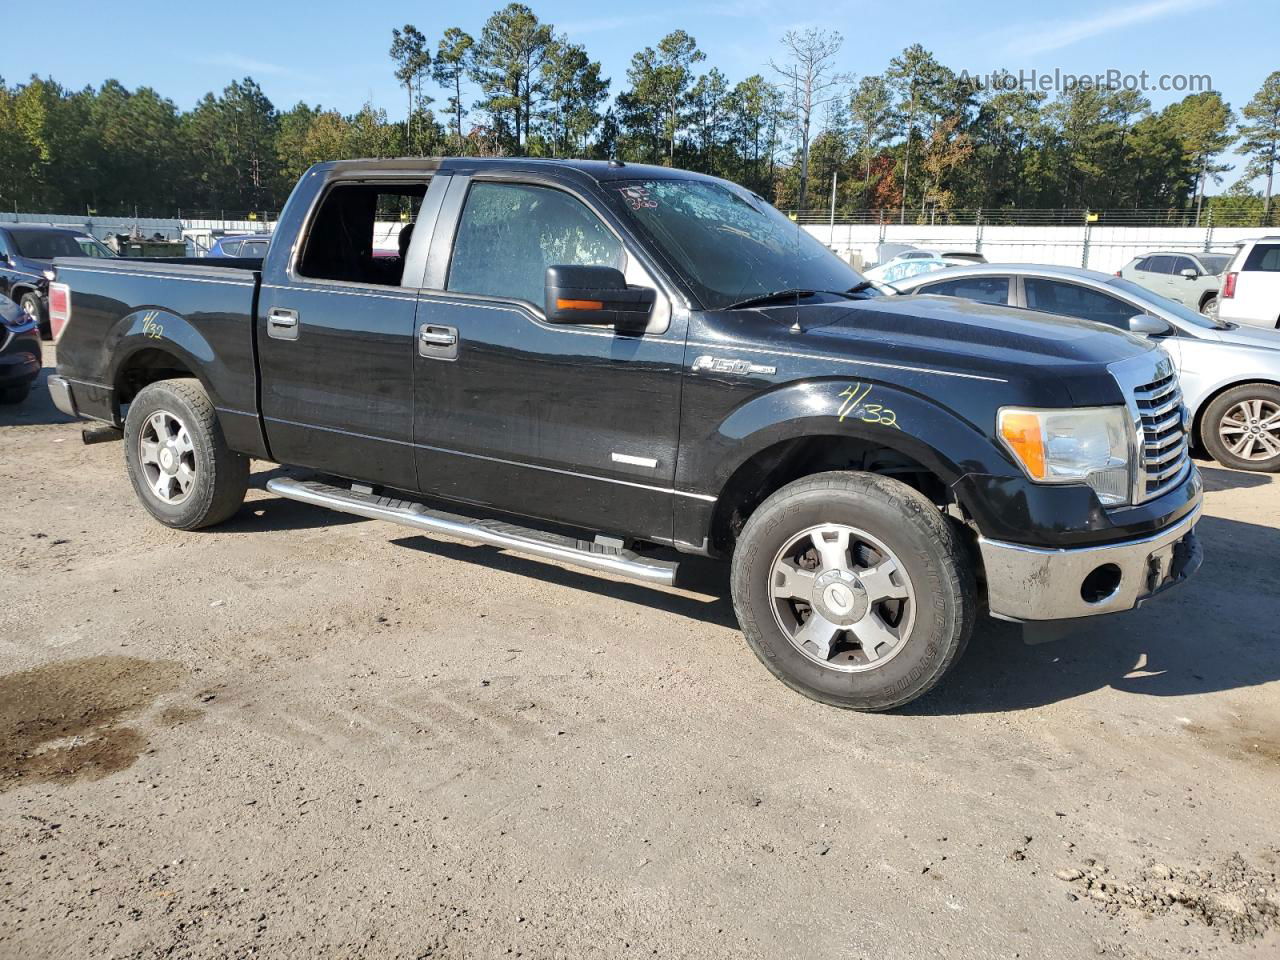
(59, 308)
(1119, 274)
(1229, 286)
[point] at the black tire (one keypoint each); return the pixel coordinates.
(1215, 420)
(221, 475)
(10, 396)
(33, 307)
(926, 545)
(1210, 306)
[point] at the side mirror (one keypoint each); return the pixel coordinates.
(595, 295)
(1190, 273)
(1145, 325)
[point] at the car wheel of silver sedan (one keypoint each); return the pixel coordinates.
(1241, 427)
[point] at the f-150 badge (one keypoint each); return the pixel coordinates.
(726, 365)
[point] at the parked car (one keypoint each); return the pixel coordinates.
(1229, 374)
(1192, 279)
(1251, 285)
(20, 355)
(645, 363)
(252, 245)
(914, 262)
(26, 256)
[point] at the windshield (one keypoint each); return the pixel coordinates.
(46, 246)
(730, 245)
(1214, 263)
(1185, 314)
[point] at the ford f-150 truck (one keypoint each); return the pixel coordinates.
(612, 365)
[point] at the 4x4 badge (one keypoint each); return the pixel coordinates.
(726, 365)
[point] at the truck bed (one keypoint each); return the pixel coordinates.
(188, 313)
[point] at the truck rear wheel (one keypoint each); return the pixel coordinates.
(853, 589)
(178, 460)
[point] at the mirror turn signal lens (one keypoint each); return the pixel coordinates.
(579, 304)
(1021, 431)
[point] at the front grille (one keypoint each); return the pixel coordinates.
(1165, 456)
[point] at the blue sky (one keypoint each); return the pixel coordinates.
(300, 50)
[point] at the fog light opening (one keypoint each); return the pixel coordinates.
(1101, 584)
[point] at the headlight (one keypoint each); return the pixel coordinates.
(1086, 445)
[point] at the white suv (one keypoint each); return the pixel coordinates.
(1251, 285)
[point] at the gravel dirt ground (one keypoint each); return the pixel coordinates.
(307, 735)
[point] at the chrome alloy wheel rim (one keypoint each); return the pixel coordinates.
(842, 598)
(1251, 430)
(168, 457)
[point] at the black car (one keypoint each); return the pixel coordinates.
(20, 357)
(26, 255)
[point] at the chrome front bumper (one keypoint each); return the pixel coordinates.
(1030, 583)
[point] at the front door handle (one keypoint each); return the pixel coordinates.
(438, 341)
(282, 324)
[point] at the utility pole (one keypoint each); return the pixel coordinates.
(834, 174)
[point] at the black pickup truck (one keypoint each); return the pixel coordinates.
(611, 365)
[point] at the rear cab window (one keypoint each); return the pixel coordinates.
(340, 238)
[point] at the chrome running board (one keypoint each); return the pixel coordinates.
(496, 533)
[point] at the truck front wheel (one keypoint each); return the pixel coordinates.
(853, 589)
(181, 467)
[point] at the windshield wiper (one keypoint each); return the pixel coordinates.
(792, 293)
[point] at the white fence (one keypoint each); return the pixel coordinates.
(1098, 248)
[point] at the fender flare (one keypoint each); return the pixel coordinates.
(154, 328)
(876, 413)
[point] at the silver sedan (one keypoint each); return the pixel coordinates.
(1230, 375)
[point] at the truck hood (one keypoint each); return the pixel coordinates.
(965, 336)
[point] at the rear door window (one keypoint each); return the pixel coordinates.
(231, 247)
(1160, 264)
(1073, 300)
(983, 289)
(510, 233)
(340, 239)
(1264, 257)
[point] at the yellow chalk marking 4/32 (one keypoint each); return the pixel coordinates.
(855, 403)
(152, 329)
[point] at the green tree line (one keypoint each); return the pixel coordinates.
(911, 142)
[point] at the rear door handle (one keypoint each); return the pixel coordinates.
(438, 341)
(282, 324)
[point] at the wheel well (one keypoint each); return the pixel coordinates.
(18, 292)
(145, 367)
(1207, 296)
(776, 466)
(1197, 422)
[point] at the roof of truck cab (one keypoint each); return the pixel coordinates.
(40, 228)
(600, 170)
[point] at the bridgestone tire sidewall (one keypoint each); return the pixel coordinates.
(943, 613)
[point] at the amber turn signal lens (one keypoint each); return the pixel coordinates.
(579, 304)
(1021, 431)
